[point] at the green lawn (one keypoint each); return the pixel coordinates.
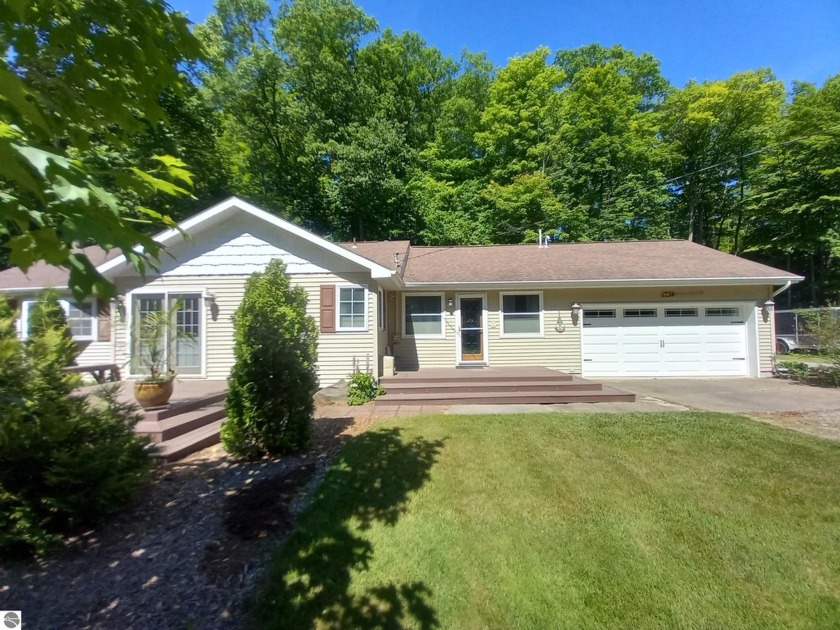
(555, 520)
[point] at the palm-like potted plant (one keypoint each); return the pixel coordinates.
(156, 334)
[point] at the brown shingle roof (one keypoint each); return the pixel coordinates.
(581, 262)
(381, 252)
(41, 275)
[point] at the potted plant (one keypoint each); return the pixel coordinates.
(155, 335)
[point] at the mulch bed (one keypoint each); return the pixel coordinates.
(187, 550)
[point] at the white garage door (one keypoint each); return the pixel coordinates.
(657, 340)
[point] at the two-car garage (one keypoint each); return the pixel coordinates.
(696, 339)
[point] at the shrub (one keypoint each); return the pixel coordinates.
(362, 387)
(795, 370)
(46, 314)
(269, 403)
(64, 460)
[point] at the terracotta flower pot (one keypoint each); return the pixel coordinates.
(150, 395)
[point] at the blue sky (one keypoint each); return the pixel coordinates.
(700, 39)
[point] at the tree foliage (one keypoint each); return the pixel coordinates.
(307, 108)
(65, 461)
(80, 80)
(45, 315)
(269, 403)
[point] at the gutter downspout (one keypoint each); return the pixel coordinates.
(783, 289)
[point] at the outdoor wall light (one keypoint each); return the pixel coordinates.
(767, 309)
(575, 313)
(450, 304)
(119, 306)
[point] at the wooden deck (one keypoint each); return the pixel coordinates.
(494, 385)
(190, 422)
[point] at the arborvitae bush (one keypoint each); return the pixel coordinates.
(65, 462)
(46, 314)
(269, 403)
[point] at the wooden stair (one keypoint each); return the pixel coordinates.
(184, 427)
(511, 386)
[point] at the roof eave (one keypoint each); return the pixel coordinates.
(609, 283)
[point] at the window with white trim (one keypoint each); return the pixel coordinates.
(680, 312)
(723, 311)
(599, 313)
(640, 312)
(522, 314)
(352, 308)
(81, 318)
(423, 315)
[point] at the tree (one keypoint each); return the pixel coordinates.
(269, 403)
(714, 131)
(609, 163)
(73, 76)
(796, 205)
(46, 314)
(65, 462)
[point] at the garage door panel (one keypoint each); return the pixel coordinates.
(685, 343)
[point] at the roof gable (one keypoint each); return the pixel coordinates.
(218, 214)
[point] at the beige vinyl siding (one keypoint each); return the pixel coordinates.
(337, 352)
(559, 346)
(413, 354)
(96, 353)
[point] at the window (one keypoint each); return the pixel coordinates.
(183, 349)
(680, 312)
(640, 312)
(726, 311)
(522, 314)
(599, 313)
(352, 308)
(381, 310)
(423, 315)
(81, 318)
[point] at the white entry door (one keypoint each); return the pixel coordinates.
(657, 340)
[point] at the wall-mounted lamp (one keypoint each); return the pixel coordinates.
(450, 305)
(210, 302)
(119, 306)
(767, 309)
(575, 313)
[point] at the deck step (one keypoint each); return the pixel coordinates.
(478, 377)
(173, 426)
(545, 397)
(459, 386)
(188, 443)
(183, 406)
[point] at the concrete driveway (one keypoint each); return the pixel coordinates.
(813, 410)
(734, 395)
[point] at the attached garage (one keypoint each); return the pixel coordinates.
(694, 339)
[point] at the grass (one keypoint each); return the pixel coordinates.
(543, 521)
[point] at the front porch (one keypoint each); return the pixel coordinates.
(494, 385)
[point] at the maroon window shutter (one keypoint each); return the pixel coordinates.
(327, 308)
(103, 320)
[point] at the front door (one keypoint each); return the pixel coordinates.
(471, 329)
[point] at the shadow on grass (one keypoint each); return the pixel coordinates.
(310, 581)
